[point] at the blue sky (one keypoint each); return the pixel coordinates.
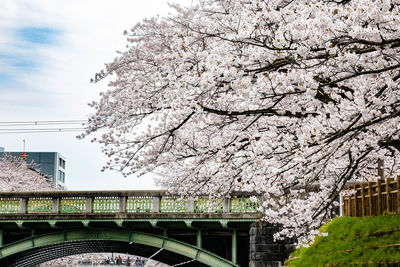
(36, 35)
(49, 50)
(22, 56)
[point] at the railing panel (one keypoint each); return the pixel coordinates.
(9, 205)
(172, 204)
(40, 205)
(105, 204)
(208, 205)
(139, 204)
(243, 205)
(72, 205)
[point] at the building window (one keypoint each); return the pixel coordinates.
(61, 163)
(61, 176)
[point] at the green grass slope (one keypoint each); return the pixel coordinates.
(367, 241)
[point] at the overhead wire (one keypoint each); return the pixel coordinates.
(33, 132)
(61, 122)
(14, 127)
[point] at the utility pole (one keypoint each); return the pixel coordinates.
(23, 153)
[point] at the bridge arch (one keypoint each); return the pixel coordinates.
(42, 248)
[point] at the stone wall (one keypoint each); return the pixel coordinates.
(264, 251)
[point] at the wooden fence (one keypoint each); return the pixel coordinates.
(372, 198)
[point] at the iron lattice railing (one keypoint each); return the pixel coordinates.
(69, 202)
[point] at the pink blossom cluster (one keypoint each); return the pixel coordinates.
(16, 175)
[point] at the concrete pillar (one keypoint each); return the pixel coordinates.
(88, 204)
(156, 204)
(234, 246)
(199, 240)
(226, 205)
(190, 205)
(264, 251)
(56, 205)
(23, 202)
(122, 204)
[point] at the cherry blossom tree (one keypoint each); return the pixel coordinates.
(97, 259)
(269, 96)
(16, 175)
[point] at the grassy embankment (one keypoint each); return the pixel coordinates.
(368, 241)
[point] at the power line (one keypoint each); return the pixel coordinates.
(40, 129)
(60, 130)
(24, 127)
(44, 129)
(39, 126)
(38, 123)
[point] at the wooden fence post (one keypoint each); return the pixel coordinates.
(349, 205)
(398, 194)
(362, 200)
(355, 200)
(387, 188)
(370, 198)
(379, 197)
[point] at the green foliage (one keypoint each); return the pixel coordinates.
(351, 241)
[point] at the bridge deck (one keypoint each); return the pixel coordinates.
(217, 225)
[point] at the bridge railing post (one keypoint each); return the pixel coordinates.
(88, 204)
(23, 205)
(226, 205)
(122, 204)
(156, 204)
(56, 205)
(190, 205)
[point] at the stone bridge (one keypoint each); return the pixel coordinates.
(36, 227)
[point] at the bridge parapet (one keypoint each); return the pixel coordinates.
(67, 202)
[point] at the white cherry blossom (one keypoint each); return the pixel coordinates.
(266, 96)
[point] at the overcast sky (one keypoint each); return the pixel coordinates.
(49, 50)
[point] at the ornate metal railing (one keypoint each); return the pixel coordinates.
(67, 202)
